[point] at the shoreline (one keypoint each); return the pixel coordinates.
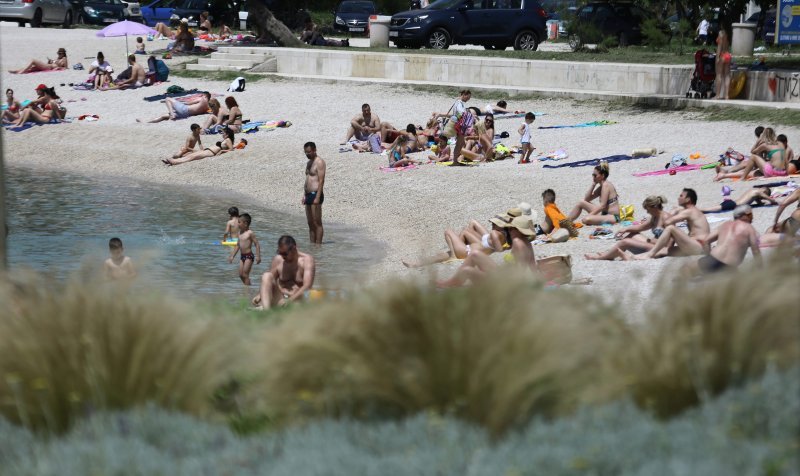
(407, 212)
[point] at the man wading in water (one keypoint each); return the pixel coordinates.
(313, 194)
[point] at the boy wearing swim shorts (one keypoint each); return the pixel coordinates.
(245, 244)
(525, 132)
(232, 226)
(118, 266)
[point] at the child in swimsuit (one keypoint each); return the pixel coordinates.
(232, 225)
(247, 239)
(118, 266)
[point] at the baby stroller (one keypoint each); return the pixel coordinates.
(702, 85)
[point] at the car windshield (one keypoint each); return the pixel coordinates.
(357, 7)
(445, 4)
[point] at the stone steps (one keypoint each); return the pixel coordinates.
(237, 59)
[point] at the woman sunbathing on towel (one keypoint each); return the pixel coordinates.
(13, 108)
(52, 110)
(607, 208)
(51, 65)
(473, 239)
(632, 238)
(222, 147)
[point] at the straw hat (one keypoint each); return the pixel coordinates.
(524, 225)
(523, 209)
(502, 220)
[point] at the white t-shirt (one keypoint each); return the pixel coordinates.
(458, 110)
(104, 66)
(703, 28)
(526, 133)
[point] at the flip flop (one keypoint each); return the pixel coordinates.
(166, 162)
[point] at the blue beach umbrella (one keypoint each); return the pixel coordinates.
(125, 28)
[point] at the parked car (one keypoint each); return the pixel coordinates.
(353, 15)
(494, 24)
(133, 12)
(622, 21)
(99, 12)
(158, 11)
(37, 12)
(226, 11)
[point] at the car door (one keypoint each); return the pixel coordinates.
(478, 23)
(506, 18)
(158, 11)
(605, 19)
(54, 11)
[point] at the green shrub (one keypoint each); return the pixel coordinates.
(752, 430)
(714, 335)
(653, 34)
(494, 354)
(85, 346)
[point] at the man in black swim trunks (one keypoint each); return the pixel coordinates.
(313, 195)
(733, 239)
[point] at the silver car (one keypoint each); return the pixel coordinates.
(37, 12)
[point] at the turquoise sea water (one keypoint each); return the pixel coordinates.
(59, 223)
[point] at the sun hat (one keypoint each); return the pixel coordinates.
(40, 87)
(502, 220)
(523, 209)
(524, 225)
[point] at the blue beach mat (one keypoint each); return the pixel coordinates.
(590, 162)
(584, 124)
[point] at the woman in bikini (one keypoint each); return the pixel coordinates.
(773, 166)
(632, 237)
(51, 65)
(205, 24)
(218, 115)
(52, 111)
(607, 208)
(479, 145)
(222, 147)
(473, 239)
(11, 114)
(397, 153)
(234, 120)
(723, 66)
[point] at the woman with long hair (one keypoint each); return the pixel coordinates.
(723, 66)
(632, 237)
(51, 65)
(52, 110)
(606, 210)
(13, 107)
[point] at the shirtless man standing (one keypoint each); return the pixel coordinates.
(180, 110)
(314, 195)
(288, 278)
(733, 239)
(362, 125)
(137, 75)
(676, 241)
(192, 141)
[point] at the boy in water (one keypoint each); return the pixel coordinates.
(118, 266)
(246, 241)
(232, 225)
(525, 133)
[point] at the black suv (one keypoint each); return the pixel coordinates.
(622, 21)
(220, 11)
(353, 15)
(495, 24)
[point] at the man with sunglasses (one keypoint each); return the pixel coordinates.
(733, 239)
(289, 277)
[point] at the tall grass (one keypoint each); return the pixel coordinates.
(712, 336)
(67, 351)
(493, 354)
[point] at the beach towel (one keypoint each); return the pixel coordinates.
(593, 162)
(28, 125)
(255, 126)
(682, 168)
(161, 97)
(559, 154)
(584, 124)
(398, 169)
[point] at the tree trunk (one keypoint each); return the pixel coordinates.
(267, 27)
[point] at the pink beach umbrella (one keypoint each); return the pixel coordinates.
(125, 28)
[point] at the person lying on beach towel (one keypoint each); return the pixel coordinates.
(500, 108)
(222, 147)
(52, 111)
(756, 197)
(51, 65)
(181, 110)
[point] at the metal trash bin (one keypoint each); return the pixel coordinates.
(243, 20)
(379, 31)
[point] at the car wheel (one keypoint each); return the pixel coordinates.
(80, 20)
(21, 24)
(574, 42)
(623, 40)
(526, 40)
(67, 20)
(36, 21)
(439, 39)
(496, 47)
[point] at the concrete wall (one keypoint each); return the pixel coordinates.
(772, 86)
(619, 78)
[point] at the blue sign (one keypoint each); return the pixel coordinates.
(787, 22)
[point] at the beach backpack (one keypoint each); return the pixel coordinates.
(237, 85)
(464, 123)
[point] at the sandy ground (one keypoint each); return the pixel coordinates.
(407, 210)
